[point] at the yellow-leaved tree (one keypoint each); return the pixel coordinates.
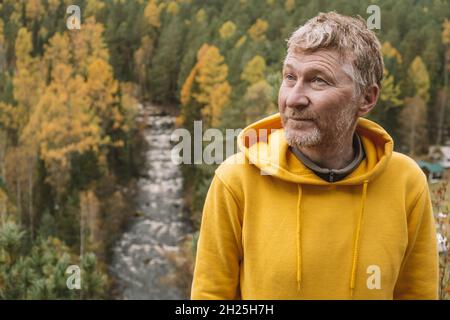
(258, 101)
(258, 30)
(63, 124)
(258, 97)
(413, 117)
(418, 73)
(227, 30)
(79, 48)
(81, 109)
(18, 162)
(152, 14)
(390, 89)
(201, 16)
(93, 7)
(254, 70)
(390, 92)
(34, 9)
(240, 42)
(103, 98)
(444, 92)
(207, 84)
(27, 78)
(173, 8)
(87, 45)
(289, 5)
(446, 41)
(389, 51)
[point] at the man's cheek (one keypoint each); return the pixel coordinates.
(281, 105)
(282, 98)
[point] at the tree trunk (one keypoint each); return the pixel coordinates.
(3, 139)
(30, 196)
(19, 198)
(412, 140)
(443, 106)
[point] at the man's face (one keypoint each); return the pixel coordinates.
(316, 99)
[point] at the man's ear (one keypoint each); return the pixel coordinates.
(368, 100)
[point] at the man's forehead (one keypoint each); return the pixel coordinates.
(325, 57)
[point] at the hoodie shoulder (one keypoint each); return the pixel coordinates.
(235, 171)
(405, 166)
(234, 166)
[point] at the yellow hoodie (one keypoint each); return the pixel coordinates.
(272, 229)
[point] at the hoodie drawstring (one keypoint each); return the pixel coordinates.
(357, 238)
(299, 237)
(355, 245)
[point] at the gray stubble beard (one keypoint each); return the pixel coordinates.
(344, 123)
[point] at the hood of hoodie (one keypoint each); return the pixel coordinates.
(264, 145)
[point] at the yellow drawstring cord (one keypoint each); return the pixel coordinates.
(357, 238)
(299, 248)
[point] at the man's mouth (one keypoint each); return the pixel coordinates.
(301, 119)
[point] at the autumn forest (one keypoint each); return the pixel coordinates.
(70, 145)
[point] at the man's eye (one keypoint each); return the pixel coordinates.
(290, 77)
(319, 80)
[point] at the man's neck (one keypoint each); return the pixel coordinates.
(332, 155)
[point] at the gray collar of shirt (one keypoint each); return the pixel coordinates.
(333, 175)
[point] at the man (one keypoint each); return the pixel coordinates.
(321, 208)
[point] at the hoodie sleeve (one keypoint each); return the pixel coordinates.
(219, 248)
(419, 274)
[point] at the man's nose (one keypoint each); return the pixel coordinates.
(297, 97)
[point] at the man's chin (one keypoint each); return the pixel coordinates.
(297, 137)
(301, 128)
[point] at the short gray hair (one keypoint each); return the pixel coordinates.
(350, 37)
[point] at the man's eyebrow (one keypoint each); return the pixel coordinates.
(309, 69)
(288, 65)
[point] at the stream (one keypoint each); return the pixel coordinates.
(139, 257)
